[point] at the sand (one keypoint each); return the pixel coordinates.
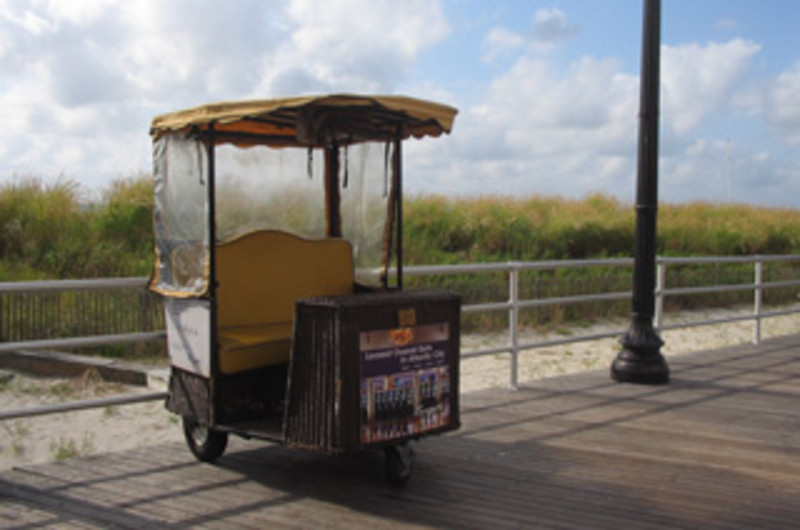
(540, 363)
(59, 436)
(65, 435)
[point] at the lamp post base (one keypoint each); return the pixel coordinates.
(640, 360)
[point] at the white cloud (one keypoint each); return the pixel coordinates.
(351, 45)
(700, 79)
(727, 24)
(81, 80)
(551, 27)
(27, 20)
(541, 129)
(78, 12)
(783, 104)
(722, 171)
(500, 41)
(544, 131)
(194, 51)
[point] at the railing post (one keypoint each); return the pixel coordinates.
(757, 296)
(513, 323)
(661, 284)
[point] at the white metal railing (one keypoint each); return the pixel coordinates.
(514, 303)
(60, 286)
(69, 406)
(513, 306)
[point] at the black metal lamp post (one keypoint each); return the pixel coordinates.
(640, 360)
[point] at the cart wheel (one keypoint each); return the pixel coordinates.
(399, 459)
(206, 444)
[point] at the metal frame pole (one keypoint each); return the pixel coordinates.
(211, 198)
(397, 162)
(332, 197)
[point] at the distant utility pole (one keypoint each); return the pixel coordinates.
(728, 165)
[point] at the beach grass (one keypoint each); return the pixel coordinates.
(54, 230)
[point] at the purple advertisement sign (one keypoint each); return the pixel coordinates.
(405, 381)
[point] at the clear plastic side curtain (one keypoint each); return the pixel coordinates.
(263, 188)
(181, 227)
(365, 176)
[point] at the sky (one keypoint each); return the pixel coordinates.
(547, 91)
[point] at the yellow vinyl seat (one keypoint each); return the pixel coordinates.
(260, 276)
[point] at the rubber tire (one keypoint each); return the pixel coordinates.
(205, 444)
(398, 462)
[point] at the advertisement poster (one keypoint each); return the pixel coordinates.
(405, 381)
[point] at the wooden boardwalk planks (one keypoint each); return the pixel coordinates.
(717, 448)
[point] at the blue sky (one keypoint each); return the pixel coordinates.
(547, 90)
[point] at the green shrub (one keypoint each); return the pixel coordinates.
(48, 230)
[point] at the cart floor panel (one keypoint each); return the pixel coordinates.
(267, 429)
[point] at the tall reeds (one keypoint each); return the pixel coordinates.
(50, 230)
(447, 230)
(444, 230)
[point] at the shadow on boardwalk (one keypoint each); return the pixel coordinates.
(717, 448)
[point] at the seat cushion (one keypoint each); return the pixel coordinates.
(260, 276)
(246, 347)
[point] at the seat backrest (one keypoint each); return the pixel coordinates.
(260, 275)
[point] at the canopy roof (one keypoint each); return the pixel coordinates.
(312, 120)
